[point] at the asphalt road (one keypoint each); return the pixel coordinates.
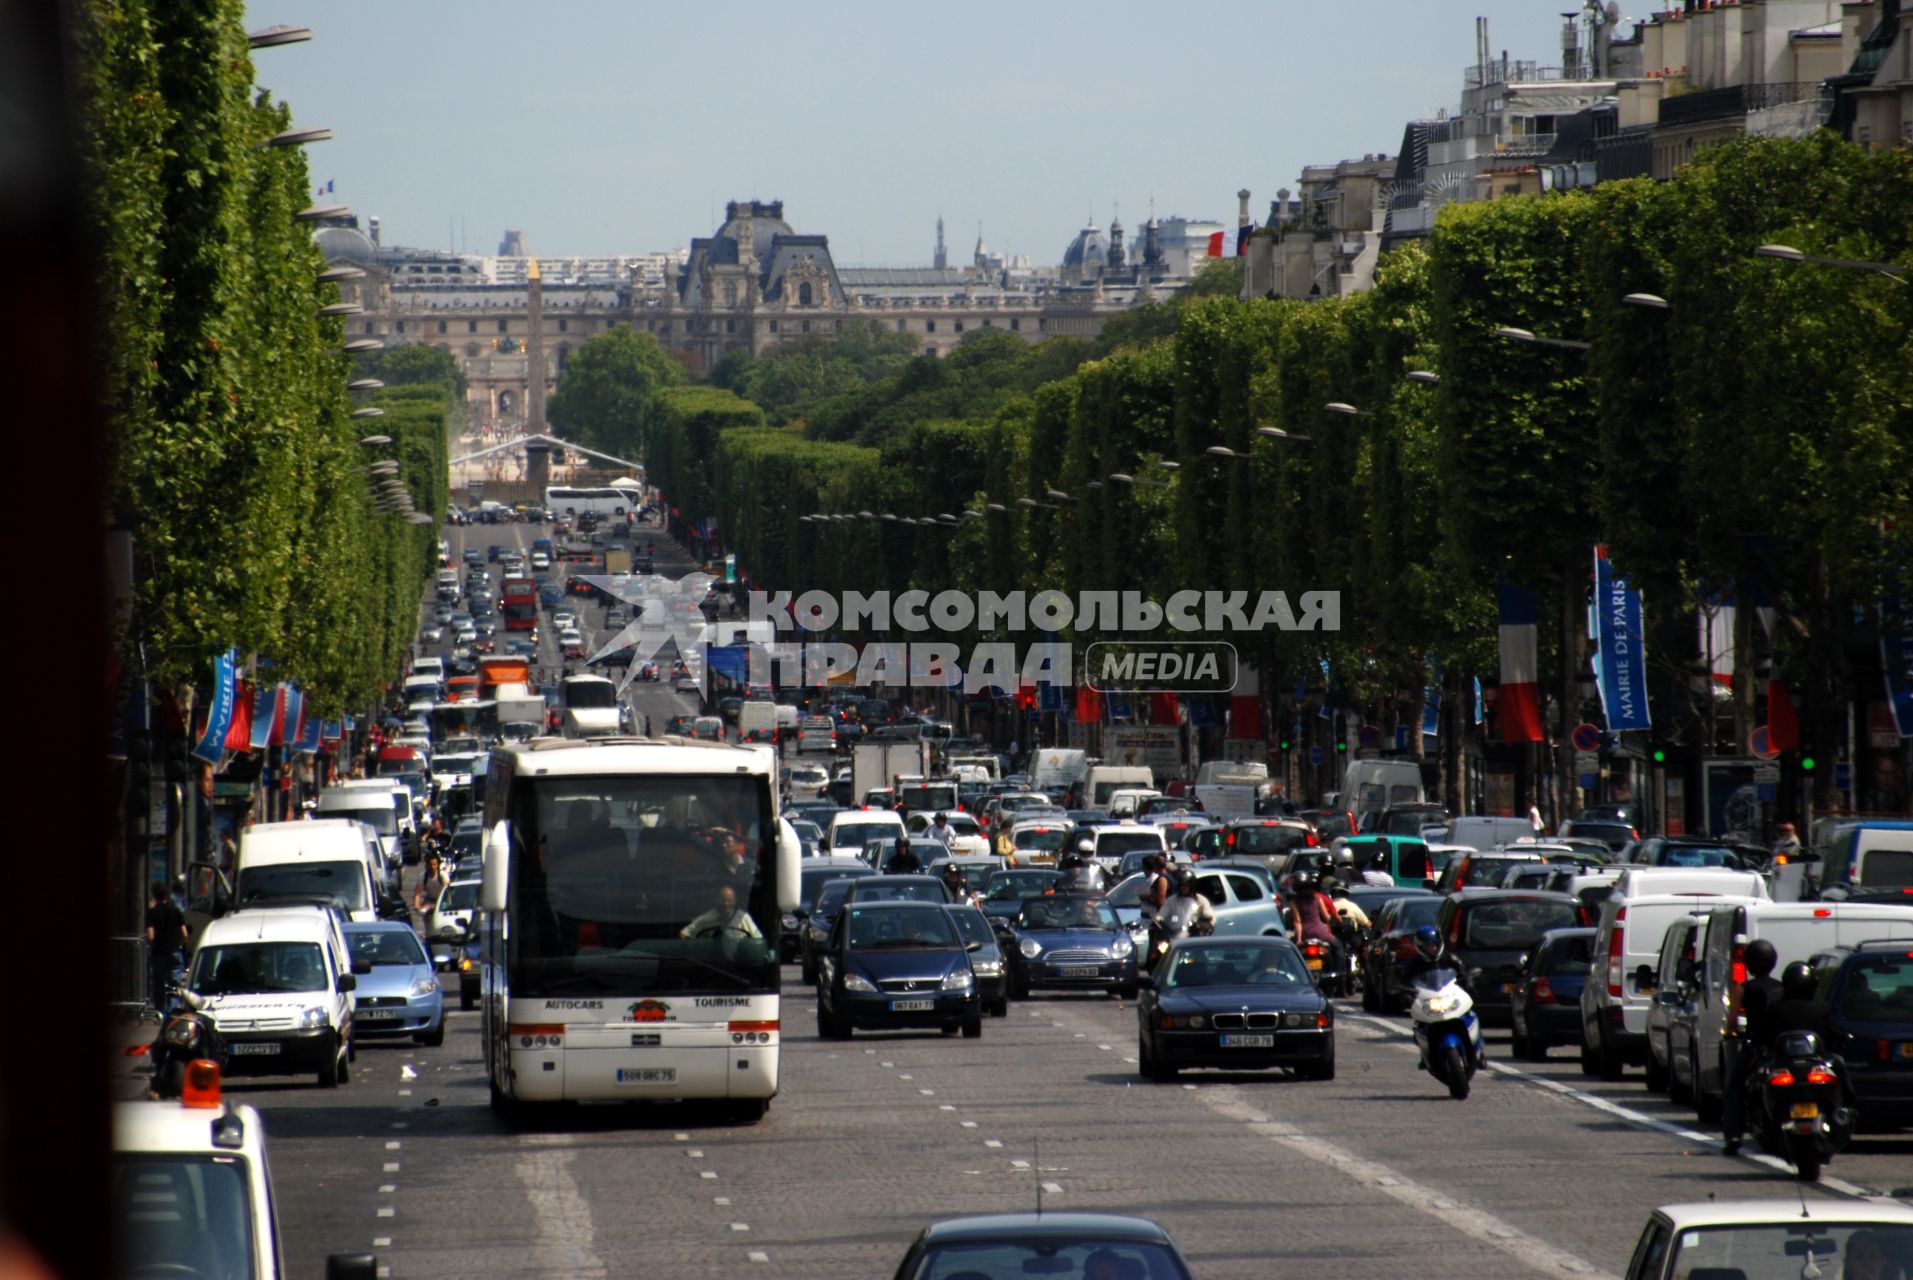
(1541, 1172)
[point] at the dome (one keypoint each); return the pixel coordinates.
(346, 244)
(1088, 247)
(751, 224)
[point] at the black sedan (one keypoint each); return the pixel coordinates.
(892, 966)
(1391, 945)
(1006, 887)
(1238, 1004)
(816, 873)
(1091, 1245)
(815, 934)
(986, 959)
(1071, 942)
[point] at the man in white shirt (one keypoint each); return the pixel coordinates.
(726, 919)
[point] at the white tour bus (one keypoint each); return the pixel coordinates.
(612, 968)
(604, 502)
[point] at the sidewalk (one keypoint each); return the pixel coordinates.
(131, 1068)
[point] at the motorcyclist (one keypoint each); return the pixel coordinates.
(1345, 906)
(1758, 994)
(958, 887)
(904, 861)
(1080, 874)
(1186, 914)
(1312, 913)
(1430, 955)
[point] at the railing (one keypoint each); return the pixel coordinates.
(1501, 72)
(1735, 100)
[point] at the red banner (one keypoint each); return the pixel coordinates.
(239, 729)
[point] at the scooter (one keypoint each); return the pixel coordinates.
(1797, 1104)
(1447, 1032)
(188, 1034)
(1162, 937)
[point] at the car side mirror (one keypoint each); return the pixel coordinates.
(974, 946)
(361, 966)
(1522, 963)
(1684, 972)
(347, 982)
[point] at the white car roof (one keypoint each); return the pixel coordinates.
(572, 757)
(171, 1127)
(1784, 1213)
(309, 924)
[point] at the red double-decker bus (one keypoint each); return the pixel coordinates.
(518, 601)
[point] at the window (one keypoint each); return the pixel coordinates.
(1016, 323)
(369, 328)
(564, 354)
(441, 326)
(773, 326)
(502, 328)
(1247, 889)
(959, 326)
(471, 326)
(730, 294)
(929, 326)
(803, 295)
(806, 326)
(564, 325)
(730, 326)
(401, 327)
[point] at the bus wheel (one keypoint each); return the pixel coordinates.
(745, 1110)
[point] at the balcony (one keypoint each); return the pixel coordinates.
(1735, 101)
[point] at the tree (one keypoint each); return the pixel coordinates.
(606, 386)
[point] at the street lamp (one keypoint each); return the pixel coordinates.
(319, 212)
(1427, 377)
(363, 344)
(331, 274)
(1511, 334)
(297, 137)
(1059, 495)
(1224, 451)
(995, 506)
(1650, 300)
(972, 515)
(1347, 410)
(370, 411)
(375, 440)
(1277, 433)
(1169, 466)
(364, 384)
(273, 37)
(866, 515)
(342, 309)
(1787, 253)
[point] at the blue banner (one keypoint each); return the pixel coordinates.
(295, 703)
(1431, 701)
(330, 730)
(265, 701)
(1477, 701)
(1202, 712)
(308, 736)
(1620, 659)
(1896, 659)
(212, 745)
(732, 661)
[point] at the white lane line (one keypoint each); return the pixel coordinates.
(1476, 1223)
(388, 1189)
(720, 1200)
(757, 1255)
(945, 1107)
(405, 1093)
(708, 1176)
(740, 1226)
(381, 1242)
(928, 1093)
(387, 1211)
(904, 1077)
(992, 1143)
(968, 1124)
(1053, 1188)
(1019, 1164)
(393, 1146)
(886, 1064)
(680, 1137)
(1103, 1047)
(563, 1244)
(391, 1166)
(695, 1155)
(1621, 1112)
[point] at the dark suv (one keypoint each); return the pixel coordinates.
(1491, 930)
(1869, 988)
(1403, 820)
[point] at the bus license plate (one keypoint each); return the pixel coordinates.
(1081, 971)
(647, 1075)
(912, 1006)
(1248, 1042)
(264, 1046)
(1805, 1111)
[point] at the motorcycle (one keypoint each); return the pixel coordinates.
(1446, 1030)
(1163, 936)
(1796, 1104)
(1333, 963)
(186, 1035)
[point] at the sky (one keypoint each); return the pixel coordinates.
(618, 126)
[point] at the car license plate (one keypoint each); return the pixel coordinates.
(1315, 964)
(1081, 971)
(1507, 988)
(647, 1075)
(380, 1015)
(1906, 1048)
(261, 1047)
(1248, 1042)
(1805, 1111)
(912, 1006)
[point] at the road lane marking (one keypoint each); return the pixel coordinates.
(1476, 1223)
(680, 1137)
(757, 1255)
(387, 1211)
(945, 1107)
(564, 1242)
(391, 1166)
(1053, 1188)
(928, 1093)
(393, 1146)
(720, 1200)
(968, 1124)
(740, 1226)
(708, 1176)
(1621, 1112)
(381, 1242)
(695, 1155)
(992, 1143)
(388, 1189)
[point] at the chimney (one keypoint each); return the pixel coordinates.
(373, 223)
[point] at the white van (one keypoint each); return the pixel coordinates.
(383, 803)
(852, 829)
(1620, 984)
(278, 986)
(1124, 803)
(1105, 780)
(433, 666)
(279, 860)
(1370, 786)
(422, 690)
(1484, 833)
(1059, 772)
(1798, 931)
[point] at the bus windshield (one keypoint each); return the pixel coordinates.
(642, 884)
(585, 695)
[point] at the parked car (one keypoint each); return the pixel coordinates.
(1547, 996)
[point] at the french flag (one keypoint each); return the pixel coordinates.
(1219, 242)
(1519, 702)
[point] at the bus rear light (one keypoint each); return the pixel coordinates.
(759, 1028)
(538, 1035)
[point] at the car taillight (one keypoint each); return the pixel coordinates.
(1740, 964)
(1310, 841)
(1314, 950)
(1543, 993)
(1817, 1076)
(1781, 1079)
(1615, 955)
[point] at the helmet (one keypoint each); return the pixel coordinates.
(1185, 881)
(1760, 958)
(1796, 981)
(1304, 882)
(1428, 941)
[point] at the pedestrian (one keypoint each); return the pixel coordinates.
(165, 939)
(430, 885)
(1786, 846)
(228, 853)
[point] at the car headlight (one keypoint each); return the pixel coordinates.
(857, 982)
(1186, 1022)
(987, 968)
(1030, 948)
(1121, 948)
(958, 980)
(424, 986)
(312, 1017)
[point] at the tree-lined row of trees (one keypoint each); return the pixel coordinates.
(1748, 437)
(235, 464)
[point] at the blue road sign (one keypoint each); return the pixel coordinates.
(1587, 782)
(1315, 755)
(1767, 791)
(1843, 776)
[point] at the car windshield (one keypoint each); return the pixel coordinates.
(1011, 886)
(382, 817)
(830, 897)
(590, 694)
(462, 896)
(1781, 1251)
(1515, 925)
(386, 946)
(885, 929)
(245, 968)
(175, 1212)
(1040, 839)
(1489, 872)
(971, 924)
(1416, 912)
(1270, 839)
(1112, 844)
(1879, 989)
(813, 881)
(345, 881)
(855, 835)
(1068, 913)
(892, 889)
(1568, 956)
(1064, 1259)
(1332, 826)
(1255, 966)
(1692, 855)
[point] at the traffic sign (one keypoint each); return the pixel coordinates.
(1843, 776)
(1315, 755)
(1766, 774)
(1766, 791)
(1587, 782)
(1371, 736)
(1586, 737)
(1586, 762)
(1763, 744)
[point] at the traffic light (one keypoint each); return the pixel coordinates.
(1026, 698)
(1806, 764)
(1660, 756)
(1341, 743)
(1284, 744)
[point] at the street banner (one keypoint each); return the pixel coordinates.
(265, 712)
(1620, 660)
(1157, 746)
(1519, 702)
(293, 703)
(212, 744)
(308, 739)
(1431, 700)
(239, 731)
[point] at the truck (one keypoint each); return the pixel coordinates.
(757, 717)
(617, 560)
(591, 708)
(496, 670)
(517, 704)
(1060, 773)
(1229, 788)
(874, 764)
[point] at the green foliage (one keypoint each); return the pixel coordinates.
(607, 384)
(680, 428)
(1221, 278)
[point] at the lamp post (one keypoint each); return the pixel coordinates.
(1510, 334)
(1787, 253)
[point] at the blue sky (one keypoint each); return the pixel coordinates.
(609, 126)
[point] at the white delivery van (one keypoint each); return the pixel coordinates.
(385, 803)
(991, 766)
(1484, 833)
(1060, 772)
(422, 690)
(1124, 803)
(1620, 984)
(433, 666)
(278, 986)
(1105, 780)
(1869, 856)
(851, 829)
(1370, 786)
(1798, 931)
(293, 860)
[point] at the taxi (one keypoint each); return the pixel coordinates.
(191, 1192)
